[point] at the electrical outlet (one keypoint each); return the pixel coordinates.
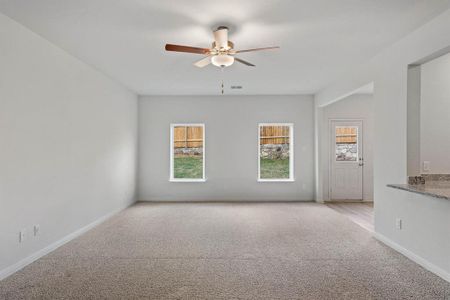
(426, 166)
(22, 235)
(398, 223)
(36, 229)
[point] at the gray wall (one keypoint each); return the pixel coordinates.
(413, 121)
(68, 141)
(231, 146)
(434, 115)
(424, 236)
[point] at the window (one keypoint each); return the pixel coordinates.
(276, 152)
(346, 143)
(187, 152)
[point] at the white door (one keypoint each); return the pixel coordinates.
(346, 161)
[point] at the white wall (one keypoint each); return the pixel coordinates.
(231, 146)
(435, 115)
(426, 223)
(67, 144)
(358, 106)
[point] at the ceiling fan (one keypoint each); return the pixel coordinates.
(221, 54)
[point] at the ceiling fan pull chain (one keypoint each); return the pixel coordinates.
(221, 70)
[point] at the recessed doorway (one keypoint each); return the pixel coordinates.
(346, 160)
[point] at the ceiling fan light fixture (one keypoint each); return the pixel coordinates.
(222, 60)
(222, 52)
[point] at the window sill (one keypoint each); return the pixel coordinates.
(276, 180)
(187, 180)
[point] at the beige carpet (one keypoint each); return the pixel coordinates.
(225, 251)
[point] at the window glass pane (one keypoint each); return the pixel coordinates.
(346, 143)
(188, 152)
(274, 152)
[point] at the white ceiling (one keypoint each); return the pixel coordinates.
(319, 39)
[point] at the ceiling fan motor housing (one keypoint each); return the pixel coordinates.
(230, 45)
(221, 37)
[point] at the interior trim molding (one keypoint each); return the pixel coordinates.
(414, 257)
(8, 271)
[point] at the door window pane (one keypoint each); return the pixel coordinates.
(346, 143)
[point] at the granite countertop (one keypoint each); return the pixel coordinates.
(437, 189)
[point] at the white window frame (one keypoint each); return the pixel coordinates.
(171, 178)
(291, 153)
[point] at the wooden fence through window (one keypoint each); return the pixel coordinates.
(188, 136)
(274, 135)
(192, 136)
(346, 135)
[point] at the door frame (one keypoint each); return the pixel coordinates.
(330, 132)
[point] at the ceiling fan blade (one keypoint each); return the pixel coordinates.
(256, 49)
(187, 49)
(244, 62)
(203, 62)
(221, 37)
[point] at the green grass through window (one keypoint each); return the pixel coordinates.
(188, 167)
(191, 167)
(274, 168)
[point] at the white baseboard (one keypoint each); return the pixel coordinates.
(162, 200)
(414, 257)
(35, 256)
